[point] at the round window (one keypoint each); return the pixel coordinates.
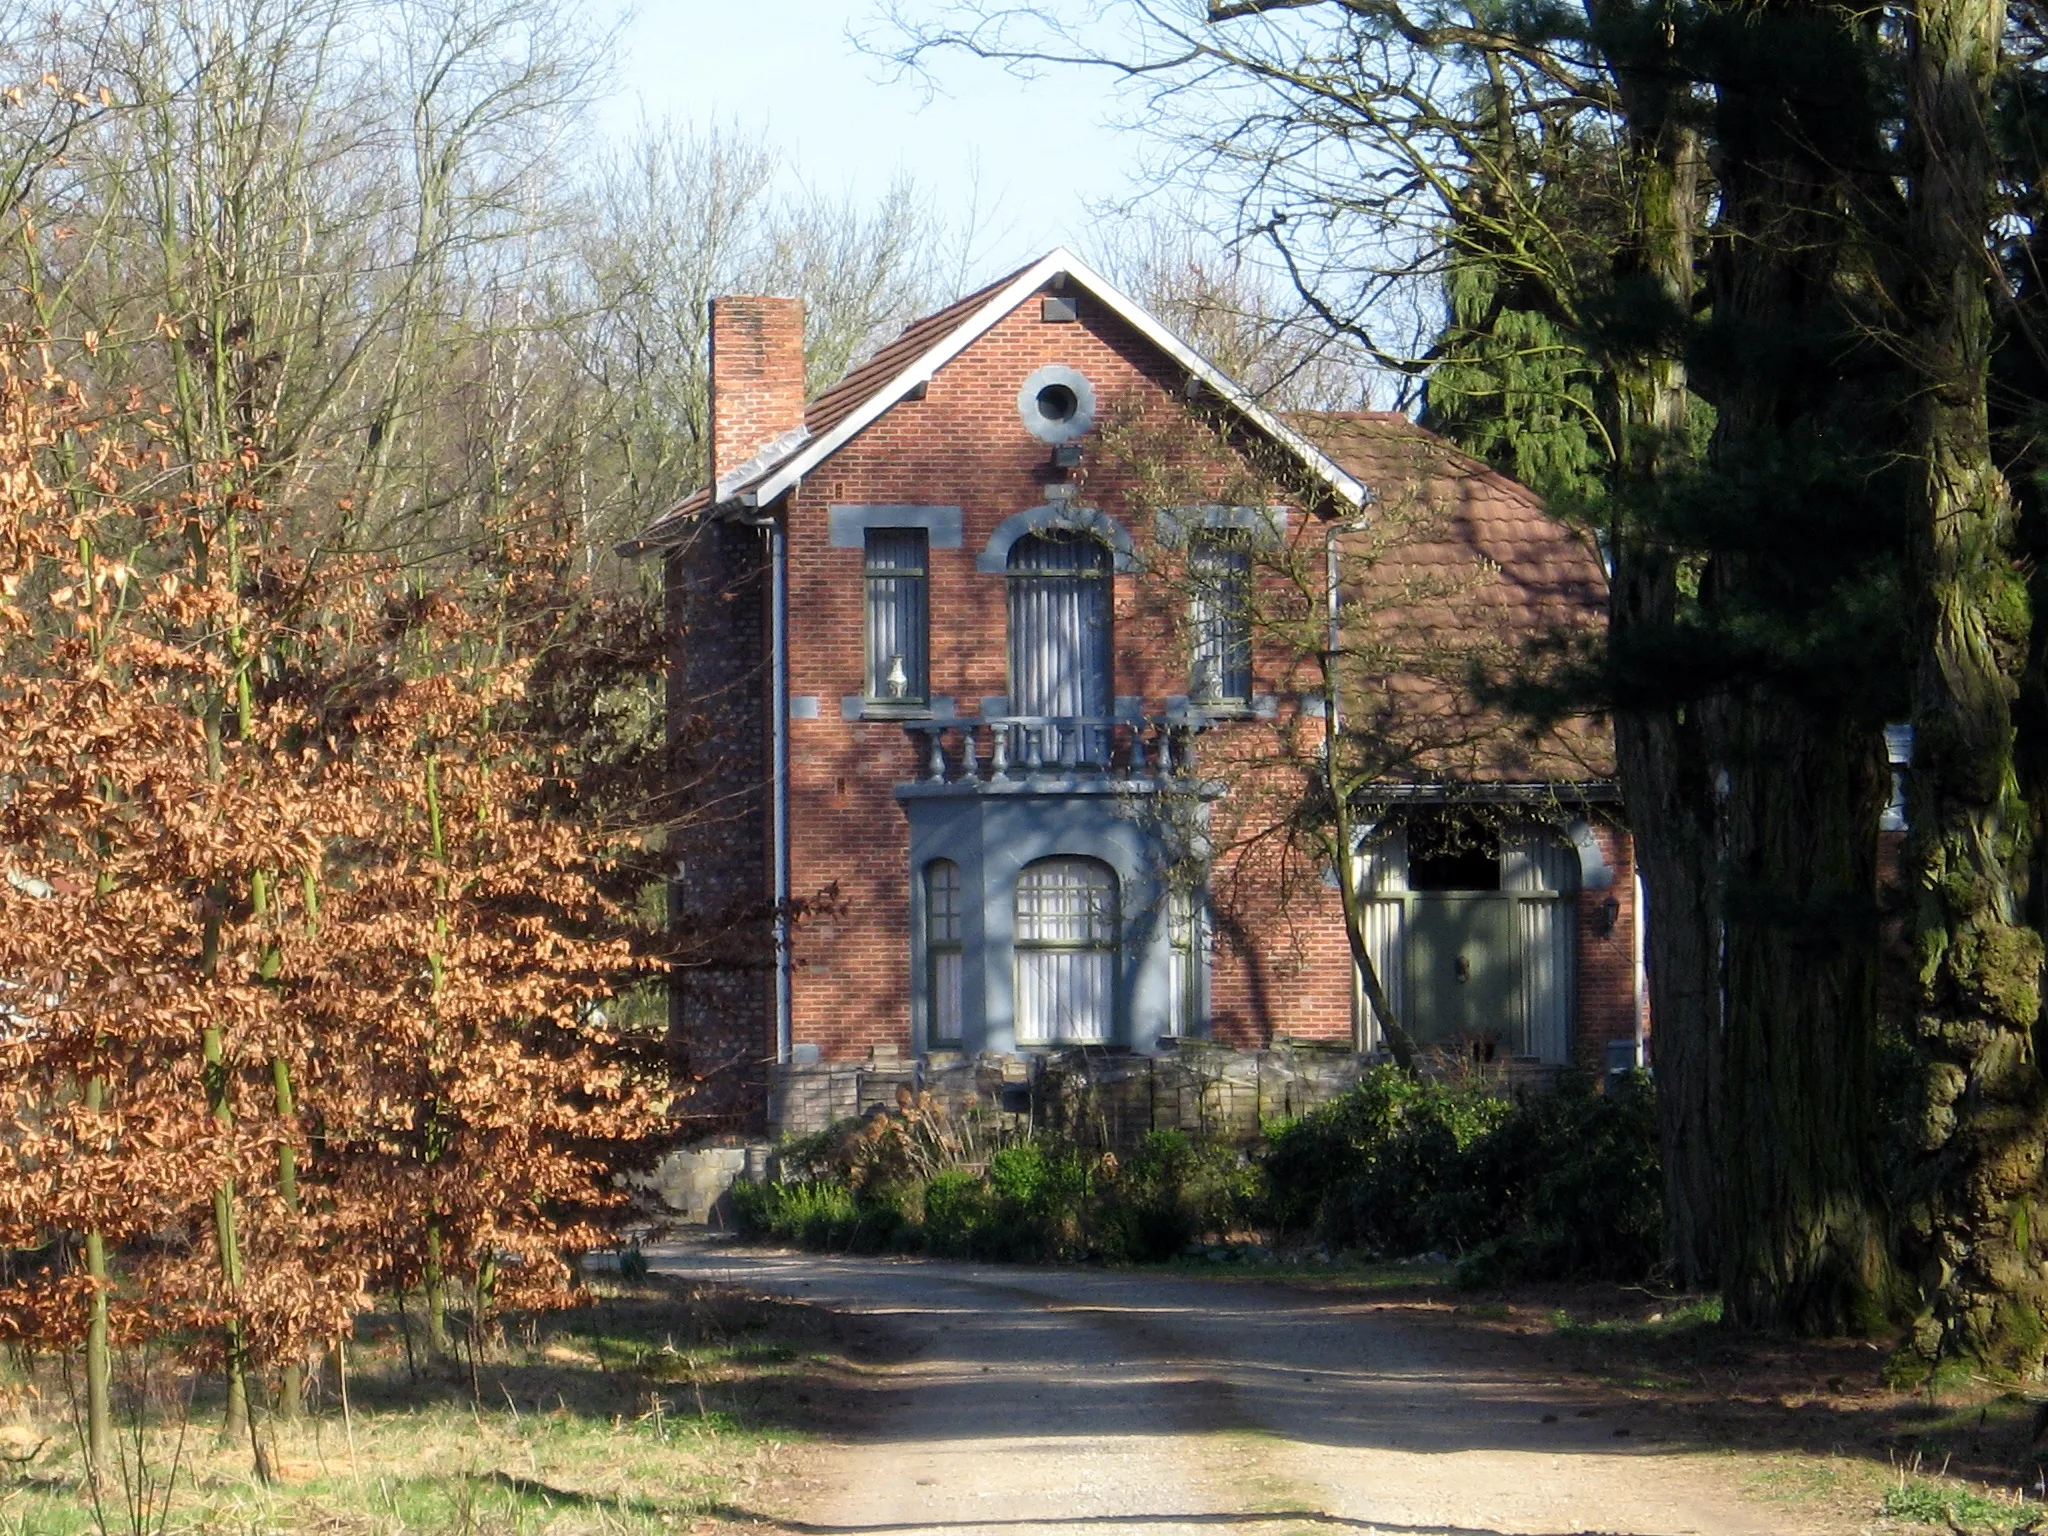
(1056, 404)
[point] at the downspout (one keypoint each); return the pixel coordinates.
(778, 557)
(1641, 967)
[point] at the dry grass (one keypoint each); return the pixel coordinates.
(651, 1410)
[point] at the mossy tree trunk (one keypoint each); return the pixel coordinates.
(1975, 1227)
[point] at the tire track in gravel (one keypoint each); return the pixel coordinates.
(1047, 1402)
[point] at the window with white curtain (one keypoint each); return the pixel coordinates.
(1220, 589)
(1059, 596)
(1066, 939)
(943, 978)
(897, 616)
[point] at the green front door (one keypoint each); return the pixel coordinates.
(1461, 967)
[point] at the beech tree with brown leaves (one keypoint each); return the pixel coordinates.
(305, 977)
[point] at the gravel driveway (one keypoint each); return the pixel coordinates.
(1052, 1402)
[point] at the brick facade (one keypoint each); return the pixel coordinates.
(1279, 967)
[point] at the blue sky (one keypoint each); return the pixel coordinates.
(1031, 156)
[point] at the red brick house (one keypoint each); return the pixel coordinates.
(944, 697)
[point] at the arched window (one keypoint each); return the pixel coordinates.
(1067, 930)
(943, 978)
(1060, 639)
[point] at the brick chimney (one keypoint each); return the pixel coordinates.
(757, 376)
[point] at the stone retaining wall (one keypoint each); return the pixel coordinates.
(1108, 1099)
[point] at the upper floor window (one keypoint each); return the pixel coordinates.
(1220, 583)
(1066, 937)
(898, 616)
(1060, 638)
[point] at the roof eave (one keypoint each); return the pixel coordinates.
(1347, 487)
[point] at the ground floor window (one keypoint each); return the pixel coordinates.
(944, 979)
(1067, 923)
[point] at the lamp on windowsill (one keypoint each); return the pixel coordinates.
(898, 680)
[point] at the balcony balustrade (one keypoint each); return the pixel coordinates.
(1022, 751)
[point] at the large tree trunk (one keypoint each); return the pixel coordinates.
(1664, 777)
(1796, 732)
(1659, 758)
(1807, 1241)
(1974, 1229)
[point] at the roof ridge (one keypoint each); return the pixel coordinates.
(863, 393)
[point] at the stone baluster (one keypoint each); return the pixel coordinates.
(970, 754)
(999, 754)
(1164, 741)
(1069, 737)
(1138, 746)
(1034, 748)
(936, 768)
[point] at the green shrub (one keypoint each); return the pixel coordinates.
(956, 1205)
(1379, 1168)
(1581, 1192)
(1547, 1186)
(813, 1213)
(1551, 1186)
(1169, 1192)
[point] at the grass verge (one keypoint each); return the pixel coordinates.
(647, 1412)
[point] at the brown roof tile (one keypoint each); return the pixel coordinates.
(1466, 562)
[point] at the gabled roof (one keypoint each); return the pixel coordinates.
(834, 417)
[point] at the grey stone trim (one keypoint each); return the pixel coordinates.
(994, 558)
(995, 704)
(850, 523)
(991, 837)
(1266, 525)
(1075, 426)
(1594, 874)
(803, 706)
(1265, 707)
(855, 706)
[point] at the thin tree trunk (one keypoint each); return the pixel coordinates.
(1974, 1230)
(99, 1364)
(235, 1348)
(434, 1285)
(291, 1392)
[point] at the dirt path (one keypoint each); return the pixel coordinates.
(1033, 1402)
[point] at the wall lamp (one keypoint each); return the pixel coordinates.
(1605, 916)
